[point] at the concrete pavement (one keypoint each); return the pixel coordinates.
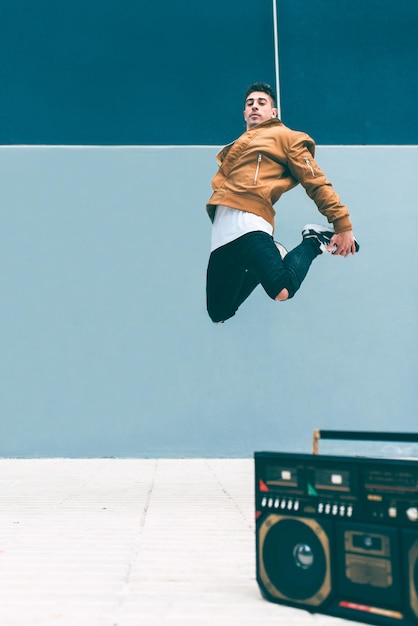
(126, 542)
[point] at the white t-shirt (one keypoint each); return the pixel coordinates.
(229, 224)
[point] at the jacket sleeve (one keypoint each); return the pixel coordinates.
(304, 168)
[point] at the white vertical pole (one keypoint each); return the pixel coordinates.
(276, 55)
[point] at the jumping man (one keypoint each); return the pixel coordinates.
(254, 172)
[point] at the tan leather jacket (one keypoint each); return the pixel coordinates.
(265, 162)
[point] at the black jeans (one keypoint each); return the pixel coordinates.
(235, 270)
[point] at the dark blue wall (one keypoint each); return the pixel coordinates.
(130, 71)
(349, 69)
(162, 72)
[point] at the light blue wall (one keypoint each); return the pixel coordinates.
(106, 348)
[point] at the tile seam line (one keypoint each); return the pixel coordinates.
(227, 493)
(125, 586)
(92, 474)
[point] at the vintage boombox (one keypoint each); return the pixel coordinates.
(339, 535)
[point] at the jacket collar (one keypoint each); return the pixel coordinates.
(273, 122)
(240, 143)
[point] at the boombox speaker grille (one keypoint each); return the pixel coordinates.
(413, 576)
(294, 559)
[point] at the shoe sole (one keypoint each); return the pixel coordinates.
(317, 228)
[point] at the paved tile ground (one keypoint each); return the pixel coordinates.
(120, 542)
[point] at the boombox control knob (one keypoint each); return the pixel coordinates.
(412, 514)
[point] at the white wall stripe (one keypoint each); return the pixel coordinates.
(186, 147)
(276, 55)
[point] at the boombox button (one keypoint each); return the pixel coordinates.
(335, 509)
(270, 503)
(296, 507)
(342, 510)
(412, 514)
(392, 511)
(327, 509)
(321, 507)
(349, 511)
(276, 503)
(264, 501)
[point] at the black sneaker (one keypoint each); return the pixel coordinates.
(281, 249)
(322, 234)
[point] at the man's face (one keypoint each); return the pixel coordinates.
(258, 108)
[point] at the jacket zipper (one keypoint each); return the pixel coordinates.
(308, 163)
(257, 169)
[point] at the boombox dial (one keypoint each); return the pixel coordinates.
(412, 514)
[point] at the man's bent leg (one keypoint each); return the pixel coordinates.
(227, 285)
(280, 278)
(299, 260)
(235, 270)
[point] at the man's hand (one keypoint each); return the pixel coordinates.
(344, 242)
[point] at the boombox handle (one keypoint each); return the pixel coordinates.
(354, 435)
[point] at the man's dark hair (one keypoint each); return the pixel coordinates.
(264, 87)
